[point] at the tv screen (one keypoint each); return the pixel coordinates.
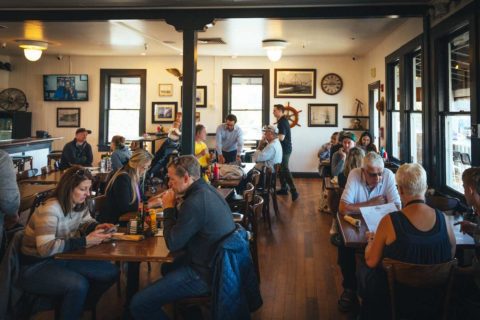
(65, 87)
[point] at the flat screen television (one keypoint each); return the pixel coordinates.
(65, 87)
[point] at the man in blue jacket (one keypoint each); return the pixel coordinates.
(78, 151)
(195, 228)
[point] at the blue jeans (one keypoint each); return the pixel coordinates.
(179, 281)
(71, 281)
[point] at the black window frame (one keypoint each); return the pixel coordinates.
(105, 75)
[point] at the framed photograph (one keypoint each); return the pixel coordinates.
(201, 96)
(295, 83)
(68, 117)
(163, 112)
(323, 115)
(165, 89)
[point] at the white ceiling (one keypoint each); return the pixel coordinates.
(243, 37)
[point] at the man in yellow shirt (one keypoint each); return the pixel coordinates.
(201, 149)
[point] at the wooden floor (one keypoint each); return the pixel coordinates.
(299, 275)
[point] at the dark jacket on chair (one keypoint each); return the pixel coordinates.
(235, 288)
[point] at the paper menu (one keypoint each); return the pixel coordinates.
(372, 215)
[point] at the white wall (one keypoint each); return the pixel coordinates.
(27, 76)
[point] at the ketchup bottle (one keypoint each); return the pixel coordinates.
(216, 172)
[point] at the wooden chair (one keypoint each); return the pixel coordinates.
(239, 217)
(55, 156)
(267, 190)
(436, 276)
(96, 205)
(20, 161)
(26, 174)
(47, 169)
(252, 227)
(39, 198)
(443, 203)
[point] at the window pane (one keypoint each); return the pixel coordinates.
(396, 135)
(246, 93)
(458, 149)
(416, 133)
(251, 124)
(417, 82)
(396, 71)
(117, 124)
(459, 73)
(125, 93)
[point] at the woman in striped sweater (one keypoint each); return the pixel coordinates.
(63, 224)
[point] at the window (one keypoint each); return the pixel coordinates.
(457, 119)
(122, 110)
(246, 95)
(416, 119)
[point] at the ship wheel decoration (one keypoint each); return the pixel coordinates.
(292, 115)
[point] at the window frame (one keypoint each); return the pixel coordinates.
(105, 75)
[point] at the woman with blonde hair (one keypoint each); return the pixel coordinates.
(123, 189)
(353, 160)
(121, 153)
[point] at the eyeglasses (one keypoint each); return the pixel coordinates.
(374, 174)
(83, 173)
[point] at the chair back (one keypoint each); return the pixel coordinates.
(97, 205)
(47, 169)
(443, 203)
(38, 200)
(26, 174)
(252, 228)
(256, 177)
(435, 276)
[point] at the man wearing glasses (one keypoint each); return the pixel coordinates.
(194, 228)
(369, 185)
(229, 139)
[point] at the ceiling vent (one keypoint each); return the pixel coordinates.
(210, 41)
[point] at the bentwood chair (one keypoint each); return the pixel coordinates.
(252, 228)
(437, 277)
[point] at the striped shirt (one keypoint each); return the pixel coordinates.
(50, 232)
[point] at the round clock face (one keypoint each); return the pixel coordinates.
(331, 83)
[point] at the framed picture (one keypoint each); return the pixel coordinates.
(295, 83)
(163, 112)
(200, 97)
(68, 117)
(165, 89)
(323, 115)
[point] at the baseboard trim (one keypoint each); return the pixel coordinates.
(305, 175)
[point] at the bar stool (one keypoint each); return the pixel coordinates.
(22, 160)
(54, 155)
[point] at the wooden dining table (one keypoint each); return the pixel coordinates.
(54, 176)
(151, 249)
(354, 237)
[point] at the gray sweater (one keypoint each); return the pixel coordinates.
(9, 194)
(120, 157)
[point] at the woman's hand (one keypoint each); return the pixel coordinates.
(467, 227)
(97, 237)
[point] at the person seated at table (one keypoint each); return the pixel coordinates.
(123, 191)
(196, 229)
(201, 149)
(121, 153)
(324, 152)
(370, 185)
(63, 224)
(469, 281)
(338, 158)
(78, 151)
(9, 196)
(162, 156)
(366, 142)
(417, 234)
(353, 160)
(336, 146)
(269, 153)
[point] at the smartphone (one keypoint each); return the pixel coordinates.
(111, 230)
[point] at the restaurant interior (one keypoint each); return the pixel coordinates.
(404, 71)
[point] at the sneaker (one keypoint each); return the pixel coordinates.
(282, 192)
(348, 300)
(294, 196)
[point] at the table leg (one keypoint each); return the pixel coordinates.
(133, 275)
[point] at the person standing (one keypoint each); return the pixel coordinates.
(229, 140)
(78, 151)
(285, 137)
(9, 194)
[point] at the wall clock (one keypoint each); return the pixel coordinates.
(331, 83)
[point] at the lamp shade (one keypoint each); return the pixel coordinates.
(32, 49)
(274, 48)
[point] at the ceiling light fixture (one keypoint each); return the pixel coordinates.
(274, 48)
(32, 49)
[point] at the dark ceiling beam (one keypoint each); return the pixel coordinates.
(332, 12)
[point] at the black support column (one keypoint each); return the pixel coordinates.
(189, 25)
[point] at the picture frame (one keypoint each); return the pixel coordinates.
(295, 83)
(201, 96)
(323, 115)
(164, 112)
(165, 89)
(68, 117)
